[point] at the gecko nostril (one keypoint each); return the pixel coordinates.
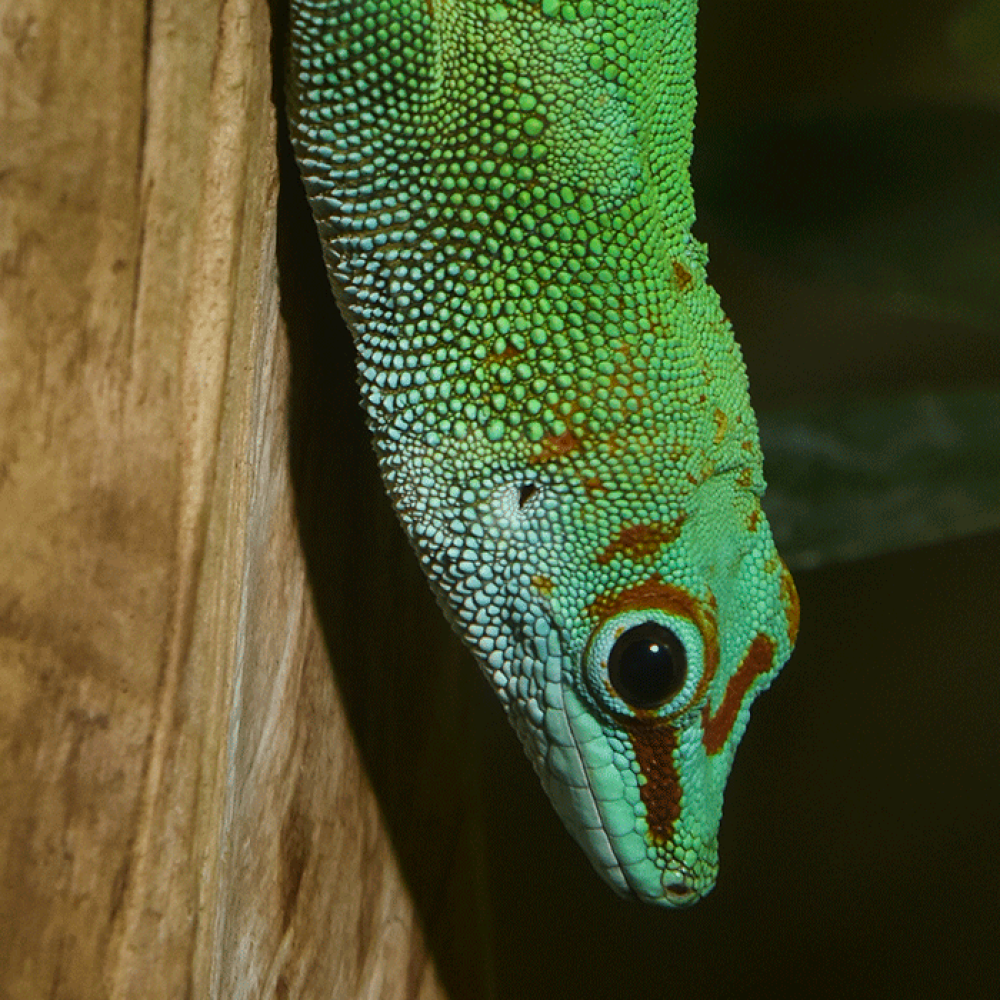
(680, 892)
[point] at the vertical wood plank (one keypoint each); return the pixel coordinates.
(183, 810)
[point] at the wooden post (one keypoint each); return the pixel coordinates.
(183, 807)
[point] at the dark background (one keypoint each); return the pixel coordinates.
(847, 180)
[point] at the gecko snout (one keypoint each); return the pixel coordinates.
(680, 893)
(682, 888)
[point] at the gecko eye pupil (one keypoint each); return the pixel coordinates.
(647, 666)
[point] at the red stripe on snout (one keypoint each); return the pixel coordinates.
(717, 727)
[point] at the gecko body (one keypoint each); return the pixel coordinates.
(557, 401)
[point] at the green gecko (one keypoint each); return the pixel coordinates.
(558, 404)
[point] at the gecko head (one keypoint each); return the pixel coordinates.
(659, 669)
(626, 658)
(630, 684)
(662, 658)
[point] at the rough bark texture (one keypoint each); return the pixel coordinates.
(183, 812)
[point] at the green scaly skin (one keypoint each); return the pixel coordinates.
(558, 404)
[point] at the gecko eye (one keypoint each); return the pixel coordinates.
(647, 666)
(646, 661)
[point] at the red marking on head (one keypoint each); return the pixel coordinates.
(654, 748)
(790, 600)
(681, 275)
(555, 446)
(655, 594)
(651, 593)
(637, 541)
(717, 726)
(543, 584)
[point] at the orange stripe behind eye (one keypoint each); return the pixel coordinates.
(717, 727)
(654, 748)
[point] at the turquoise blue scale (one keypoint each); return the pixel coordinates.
(556, 399)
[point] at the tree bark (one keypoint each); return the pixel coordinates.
(183, 810)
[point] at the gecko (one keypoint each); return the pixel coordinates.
(558, 404)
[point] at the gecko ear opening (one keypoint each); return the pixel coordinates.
(525, 492)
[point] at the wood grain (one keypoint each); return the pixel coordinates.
(183, 807)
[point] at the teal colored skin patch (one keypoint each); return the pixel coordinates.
(557, 401)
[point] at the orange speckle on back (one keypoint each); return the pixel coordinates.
(681, 275)
(753, 520)
(721, 423)
(543, 584)
(594, 485)
(510, 351)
